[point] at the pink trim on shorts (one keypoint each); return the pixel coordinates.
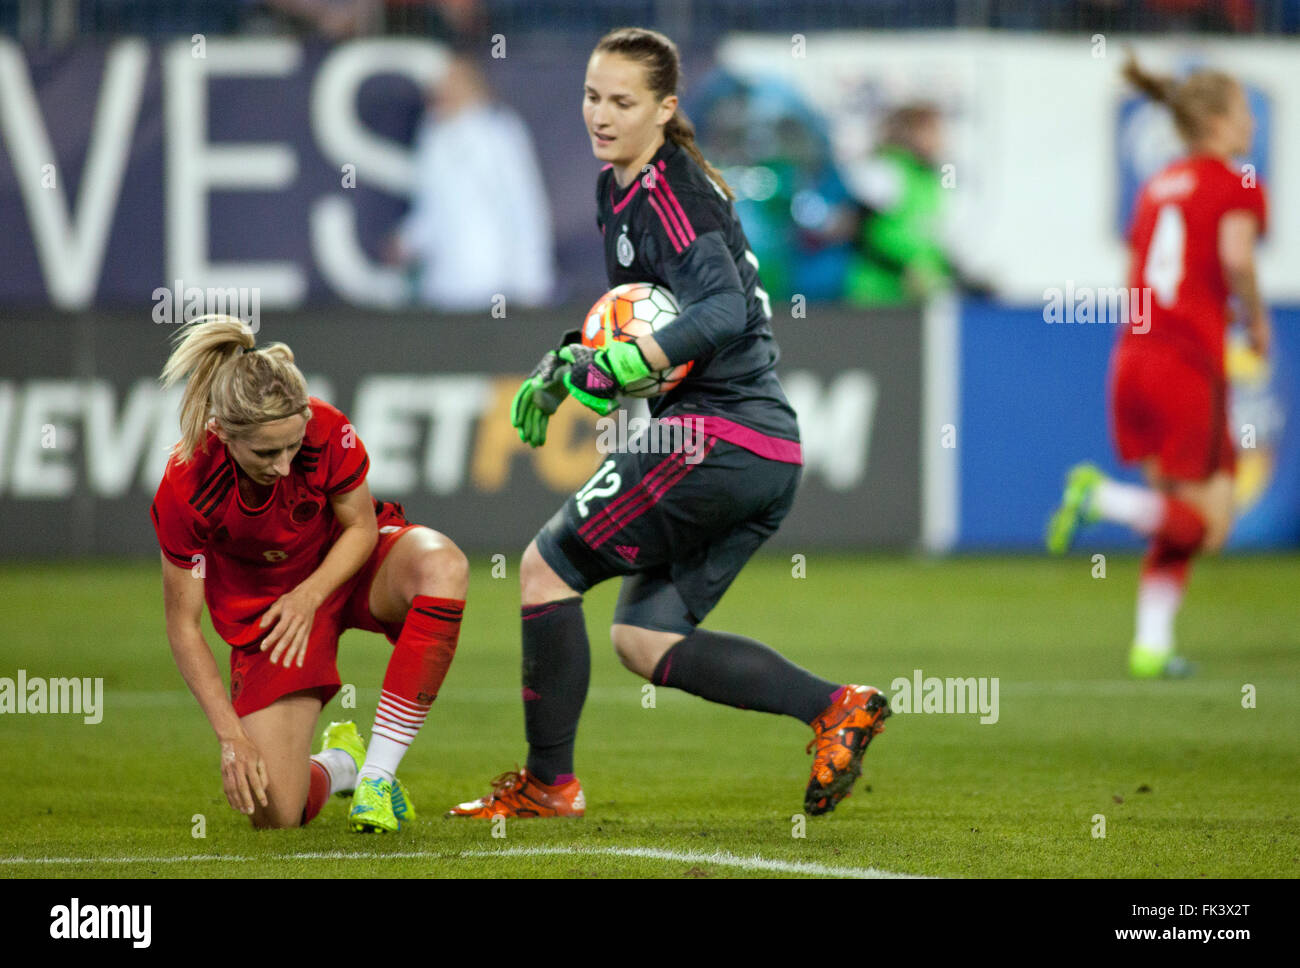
(772, 448)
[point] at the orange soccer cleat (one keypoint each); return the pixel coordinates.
(517, 794)
(843, 731)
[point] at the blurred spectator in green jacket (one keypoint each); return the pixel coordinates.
(900, 257)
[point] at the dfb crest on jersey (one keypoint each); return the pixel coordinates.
(304, 511)
(624, 248)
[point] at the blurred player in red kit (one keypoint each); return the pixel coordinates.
(1192, 243)
(264, 512)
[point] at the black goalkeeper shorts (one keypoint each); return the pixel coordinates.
(679, 526)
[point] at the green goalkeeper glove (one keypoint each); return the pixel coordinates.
(595, 377)
(537, 398)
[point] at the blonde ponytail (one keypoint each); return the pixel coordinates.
(1204, 94)
(231, 382)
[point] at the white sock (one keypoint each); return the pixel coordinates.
(1159, 598)
(397, 720)
(340, 767)
(1141, 508)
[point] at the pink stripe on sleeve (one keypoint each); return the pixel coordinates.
(689, 233)
(657, 193)
(668, 226)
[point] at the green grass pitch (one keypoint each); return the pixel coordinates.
(1189, 781)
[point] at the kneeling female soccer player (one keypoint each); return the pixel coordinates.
(264, 512)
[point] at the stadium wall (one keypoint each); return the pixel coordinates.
(948, 432)
(126, 165)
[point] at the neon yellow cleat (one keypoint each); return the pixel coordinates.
(344, 736)
(403, 805)
(372, 808)
(1145, 663)
(1079, 485)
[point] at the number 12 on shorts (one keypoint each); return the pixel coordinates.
(590, 491)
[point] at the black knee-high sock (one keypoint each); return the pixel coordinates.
(557, 668)
(741, 672)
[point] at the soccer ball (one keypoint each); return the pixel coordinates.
(626, 312)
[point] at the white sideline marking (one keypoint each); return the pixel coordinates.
(720, 858)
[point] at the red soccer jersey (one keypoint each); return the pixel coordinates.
(253, 555)
(1174, 242)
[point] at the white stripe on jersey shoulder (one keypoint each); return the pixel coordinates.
(716, 187)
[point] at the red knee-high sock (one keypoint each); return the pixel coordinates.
(424, 650)
(1160, 594)
(421, 657)
(318, 791)
(1167, 560)
(1182, 529)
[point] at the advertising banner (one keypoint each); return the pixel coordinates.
(286, 166)
(1034, 403)
(85, 429)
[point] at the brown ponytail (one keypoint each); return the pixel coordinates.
(1192, 102)
(663, 68)
(230, 381)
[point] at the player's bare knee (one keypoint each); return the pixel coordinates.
(273, 818)
(529, 573)
(626, 642)
(1218, 524)
(439, 568)
(1217, 529)
(537, 580)
(640, 649)
(447, 571)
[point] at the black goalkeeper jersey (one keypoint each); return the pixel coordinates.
(673, 227)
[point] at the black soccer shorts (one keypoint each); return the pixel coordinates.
(680, 526)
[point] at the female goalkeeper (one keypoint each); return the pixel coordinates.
(678, 526)
(264, 512)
